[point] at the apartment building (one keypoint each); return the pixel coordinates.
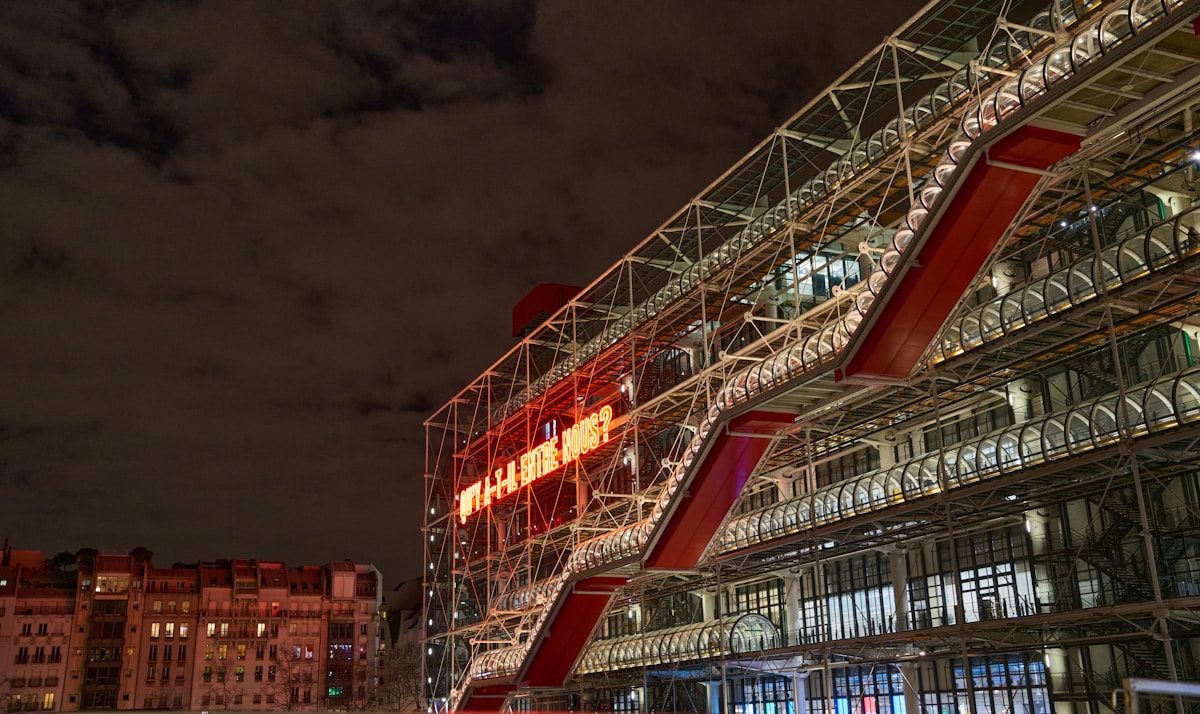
(115, 632)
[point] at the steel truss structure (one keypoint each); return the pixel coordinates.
(899, 414)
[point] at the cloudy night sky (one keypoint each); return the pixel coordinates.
(247, 247)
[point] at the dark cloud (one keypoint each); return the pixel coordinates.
(249, 246)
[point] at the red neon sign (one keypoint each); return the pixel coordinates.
(542, 460)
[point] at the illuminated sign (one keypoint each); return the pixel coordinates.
(542, 460)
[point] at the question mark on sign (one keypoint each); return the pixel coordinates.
(605, 418)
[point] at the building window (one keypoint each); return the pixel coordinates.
(274, 652)
(166, 673)
(187, 606)
(183, 630)
(362, 629)
(208, 652)
(212, 629)
(223, 651)
(169, 630)
(224, 629)
(152, 653)
(241, 650)
(239, 674)
(48, 701)
(27, 628)
(171, 607)
(150, 673)
(257, 698)
(43, 628)
(182, 653)
(166, 653)
(258, 673)
(220, 674)
(157, 607)
(270, 697)
(154, 629)
(207, 674)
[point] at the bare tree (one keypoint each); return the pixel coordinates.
(7, 703)
(400, 686)
(295, 684)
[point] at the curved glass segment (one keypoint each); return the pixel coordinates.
(747, 633)
(1163, 244)
(525, 598)
(1153, 407)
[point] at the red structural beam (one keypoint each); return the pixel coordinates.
(734, 455)
(566, 631)
(486, 699)
(956, 248)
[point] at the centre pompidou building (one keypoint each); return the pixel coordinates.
(899, 414)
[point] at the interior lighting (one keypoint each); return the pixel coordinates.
(1196, 155)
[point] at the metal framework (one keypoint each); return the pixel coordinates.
(952, 301)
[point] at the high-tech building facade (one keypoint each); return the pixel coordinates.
(900, 414)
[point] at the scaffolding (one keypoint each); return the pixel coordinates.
(1054, 410)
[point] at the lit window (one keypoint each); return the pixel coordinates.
(48, 700)
(187, 605)
(212, 629)
(154, 627)
(170, 629)
(224, 629)
(157, 607)
(183, 630)
(241, 651)
(262, 629)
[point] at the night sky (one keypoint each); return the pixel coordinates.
(247, 247)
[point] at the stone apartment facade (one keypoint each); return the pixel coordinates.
(118, 633)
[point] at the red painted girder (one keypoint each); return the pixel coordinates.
(486, 699)
(566, 632)
(957, 247)
(715, 486)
